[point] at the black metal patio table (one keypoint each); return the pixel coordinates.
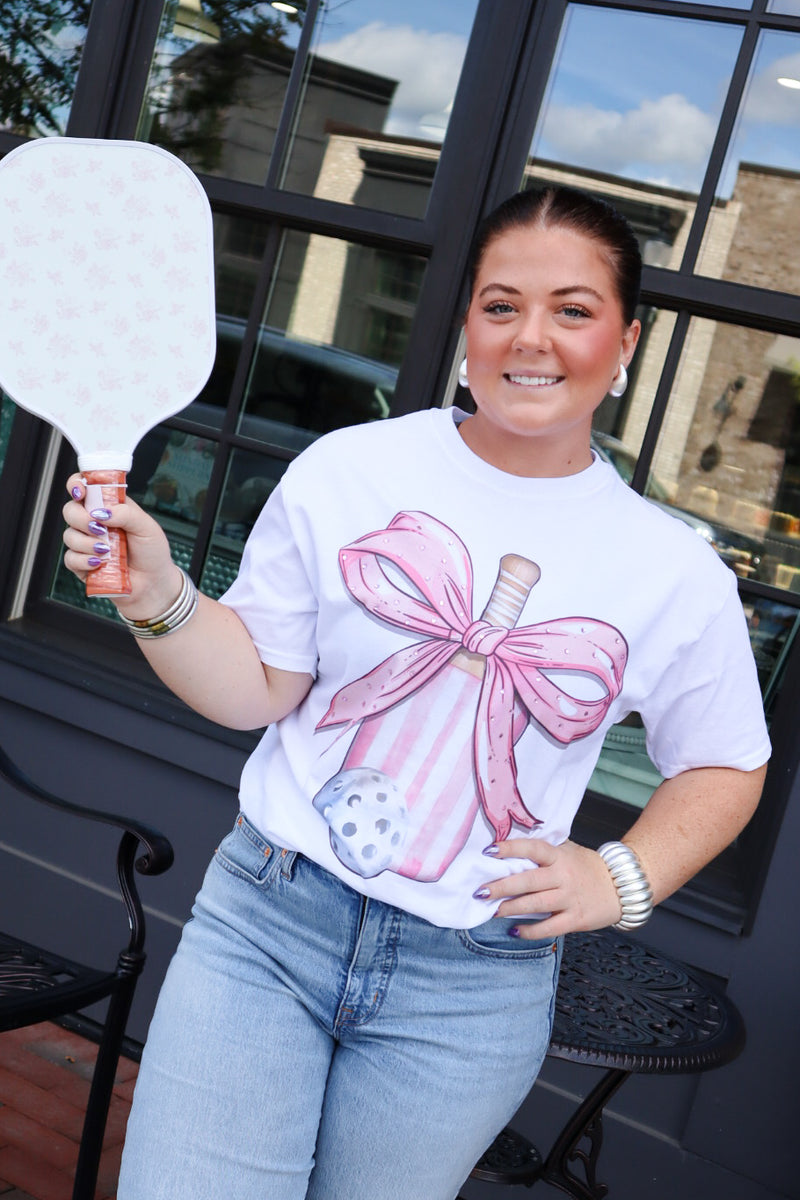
(627, 1007)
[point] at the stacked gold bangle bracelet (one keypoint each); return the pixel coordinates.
(174, 618)
(633, 889)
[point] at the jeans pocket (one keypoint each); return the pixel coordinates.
(493, 940)
(247, 855)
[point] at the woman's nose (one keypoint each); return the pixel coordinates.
(533, 334)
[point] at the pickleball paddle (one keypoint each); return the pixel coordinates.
(107, 318)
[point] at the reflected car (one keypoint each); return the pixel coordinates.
(739, 551)
(299, 385)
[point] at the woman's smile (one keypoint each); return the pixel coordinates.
(531, 381)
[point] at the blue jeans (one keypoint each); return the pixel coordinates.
(311, 1044)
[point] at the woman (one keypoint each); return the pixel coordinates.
(365, 993)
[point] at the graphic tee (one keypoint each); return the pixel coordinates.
(472, 636)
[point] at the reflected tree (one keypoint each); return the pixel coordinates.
(40, 52)
(204, 58)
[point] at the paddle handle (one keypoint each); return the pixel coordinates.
(104, 488)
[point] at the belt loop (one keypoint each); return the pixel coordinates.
(288, 858)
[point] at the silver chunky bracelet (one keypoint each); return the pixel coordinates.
(174, 618)
(633, 889)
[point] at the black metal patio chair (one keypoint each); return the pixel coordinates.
(38, 984)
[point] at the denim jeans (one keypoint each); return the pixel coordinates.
(312, 1044)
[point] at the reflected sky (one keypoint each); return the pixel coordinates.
(768, 129)
(421, 45)
(655, 120)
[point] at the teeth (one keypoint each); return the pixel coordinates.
(534, 380)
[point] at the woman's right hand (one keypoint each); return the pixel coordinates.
(155, 580)
(211, 661)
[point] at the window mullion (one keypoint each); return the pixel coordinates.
(292, 99)
(719, 151)
(120, 36)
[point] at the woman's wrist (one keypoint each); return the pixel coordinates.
(631, 884)
(165, 606)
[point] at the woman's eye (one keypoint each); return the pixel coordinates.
(499, 307)
(575, 310)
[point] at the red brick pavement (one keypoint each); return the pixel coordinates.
(44, 1086)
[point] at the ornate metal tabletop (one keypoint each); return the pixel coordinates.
(624, 1006)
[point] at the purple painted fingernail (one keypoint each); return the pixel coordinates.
(77, 493)
(514, 931)
(100, 514)
(493, 849)
(96, 527)
(101, 548)
(482, 893)
(95, 562)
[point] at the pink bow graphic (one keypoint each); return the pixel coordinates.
(436, 563)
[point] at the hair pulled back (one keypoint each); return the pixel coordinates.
(572, 209)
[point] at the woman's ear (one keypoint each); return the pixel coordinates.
(629, 339)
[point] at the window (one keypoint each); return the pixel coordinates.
(41, 46)
(375, 103)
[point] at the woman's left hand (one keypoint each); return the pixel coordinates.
(569, 882)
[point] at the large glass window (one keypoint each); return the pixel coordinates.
(218, 83)
(651, 122)
(377, 95)
(729, 450)
(332, 337)
(759, 189)
(40, 52)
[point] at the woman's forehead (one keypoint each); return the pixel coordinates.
(553, 255)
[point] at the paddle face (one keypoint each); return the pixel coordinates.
(107, 320)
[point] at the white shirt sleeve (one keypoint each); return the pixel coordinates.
(707, 709)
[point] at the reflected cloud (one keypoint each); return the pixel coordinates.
(767, 101)
(670, 134)
(426, 66)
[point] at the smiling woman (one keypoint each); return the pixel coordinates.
(546, 332)
(424, 763)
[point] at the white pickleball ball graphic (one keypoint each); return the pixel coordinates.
(368, 820)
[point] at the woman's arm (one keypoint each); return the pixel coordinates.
(687, 822)
(211, 662)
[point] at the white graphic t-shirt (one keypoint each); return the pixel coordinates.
(472, 636)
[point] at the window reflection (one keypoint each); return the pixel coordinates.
(250, 480)
(40, 52)
(238, 251)
(170, 476)
(652, 123)
(7, 410)
(729, 451)
(217, 84)
(773, 628)
(333, 333)
(625, 771)
(759, 190)
(377, 95)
